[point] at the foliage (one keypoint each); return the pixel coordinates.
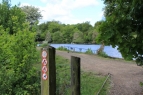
(78, 37)
(57, 37)
(48, 37)
(17, 53)
(62, 76)
(123, 27)
(62, 48)
(11, 17)
(61, 33)
(103, 54)
(141, 83)
(89, 51)
(32, 13)
(44, 45)
(17, 76)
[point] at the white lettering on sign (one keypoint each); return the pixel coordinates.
(44, 76)
(44, 54)
(44, 62)
(44, 69)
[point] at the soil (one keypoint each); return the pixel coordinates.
(125, 75)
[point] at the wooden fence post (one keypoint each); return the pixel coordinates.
(52, 71)
(75, 75)
(48, 72)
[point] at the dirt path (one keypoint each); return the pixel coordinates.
(125, 76)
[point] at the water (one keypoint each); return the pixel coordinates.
(113, 52)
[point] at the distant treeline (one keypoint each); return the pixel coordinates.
(56, 32)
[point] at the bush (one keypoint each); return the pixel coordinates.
(17, 55)
(62, 48)
(103, 54)
(44, 45)
(89, 51)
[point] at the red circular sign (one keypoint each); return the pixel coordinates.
(44, 76)
(44, 61)
(44, 69)
(44, 53)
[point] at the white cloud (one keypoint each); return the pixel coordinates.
(44, 1)
(101, 15)
(61, 10)
(24, 4)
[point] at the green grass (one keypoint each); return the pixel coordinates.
(90, 82)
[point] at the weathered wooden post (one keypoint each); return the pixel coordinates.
(75, 75)
(48, 72)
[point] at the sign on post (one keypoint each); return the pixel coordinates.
(44, 61)
(44, 72)
(44, 54)
(44, 76)
(48, 75)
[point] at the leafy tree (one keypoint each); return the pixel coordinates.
(43, 27)
(84, 27)
(123, 27)
(57, 37)
(17, 75)
(33, 14)
(54, 26)
(78, 37)
(11, 18)
(48, 37)
(17, 53)
(67, 33)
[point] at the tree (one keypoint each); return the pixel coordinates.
(11, 17)
(123, 27)
(68, 33)
(78, 37)
(54, 26)
(84, 27)
(18, 54)
(48, 37)
(32, 13)
(57, 37)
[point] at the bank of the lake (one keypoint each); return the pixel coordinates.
(113, 52)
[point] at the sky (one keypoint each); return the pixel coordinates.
(67, 11)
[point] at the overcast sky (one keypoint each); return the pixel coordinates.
(67, 11)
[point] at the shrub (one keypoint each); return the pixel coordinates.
(17, 55)
(44, 45)
(62, 48)
(89, 51)
(103, 54)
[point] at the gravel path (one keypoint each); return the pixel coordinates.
(125, 76)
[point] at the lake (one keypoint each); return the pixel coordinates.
(113, 52)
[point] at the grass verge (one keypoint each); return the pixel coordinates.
(90, 82)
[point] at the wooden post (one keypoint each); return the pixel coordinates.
(52, 71)
(48, 72)
(75, 75)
